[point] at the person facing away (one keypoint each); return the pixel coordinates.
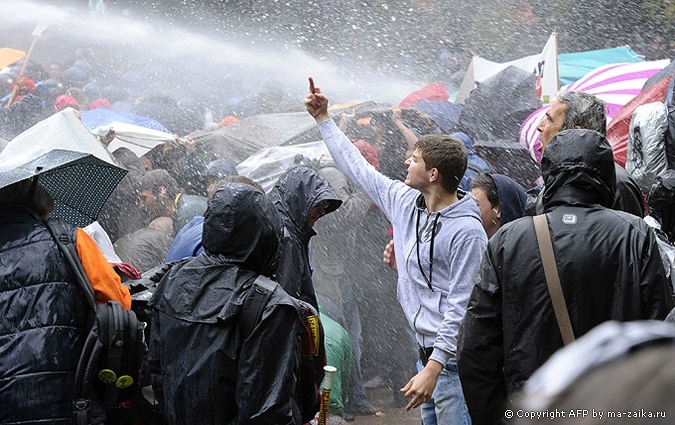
(607, 260)
(500, 200)
(203, 370)
(44, 320)
(439, 241)
(188, 241)
(581, 110)
(304, 196)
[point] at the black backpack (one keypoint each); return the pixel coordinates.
(112, 357)
(313, 353)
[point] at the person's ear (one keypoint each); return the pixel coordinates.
(498, 211)
(434, 174)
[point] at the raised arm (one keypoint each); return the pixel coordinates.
(316, 103)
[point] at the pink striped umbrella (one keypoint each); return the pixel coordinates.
(616, 84)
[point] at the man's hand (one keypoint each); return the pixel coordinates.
(420, 388)
(316, 103)
(389, 256)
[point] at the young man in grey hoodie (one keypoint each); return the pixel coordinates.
(439, 242)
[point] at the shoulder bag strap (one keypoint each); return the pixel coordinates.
(553, 279)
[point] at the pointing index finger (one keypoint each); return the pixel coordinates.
(311, 85)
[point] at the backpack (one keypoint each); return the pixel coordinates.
(312, 353)
(113, 352)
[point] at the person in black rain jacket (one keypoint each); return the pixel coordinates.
(203, 369)
(609, 267)
(304, 197)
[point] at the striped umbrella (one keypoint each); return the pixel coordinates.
(616, 84)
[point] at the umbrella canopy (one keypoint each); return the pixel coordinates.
(616, 84)
(495, 109)
(136, 138)
(433, 92)
(573, 66)
(268, 164)
(238, 141)
(445, 114)
(511, 159)
(619, 127)
(103, 116)
(68, 161)
(79, 183)
(9, 56)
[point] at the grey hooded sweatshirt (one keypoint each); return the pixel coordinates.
(437, 254)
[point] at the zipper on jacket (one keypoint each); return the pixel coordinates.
(417, 314)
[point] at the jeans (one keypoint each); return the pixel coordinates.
(447, 405)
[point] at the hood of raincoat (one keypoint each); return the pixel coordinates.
(242, 227)
(578, 169)
(241, 236)
(661, 201)
(299, 191)
(512, 198)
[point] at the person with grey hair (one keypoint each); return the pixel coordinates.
(608, 264)
(575, 109)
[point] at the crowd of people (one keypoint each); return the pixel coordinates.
(464, 314)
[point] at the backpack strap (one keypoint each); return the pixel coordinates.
(114, 340)
(255, 303)
(92, 344)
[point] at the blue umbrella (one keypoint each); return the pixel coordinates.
(103, 116)
(445, 114)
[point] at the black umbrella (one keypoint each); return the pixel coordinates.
(79, 182)
(511, 159)
(498, 106)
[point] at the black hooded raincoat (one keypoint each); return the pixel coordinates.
(204, 371)
(609, 268)
(299, 191)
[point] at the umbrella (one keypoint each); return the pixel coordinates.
(511, 159)
(268, 164)
(103, 116)
(433, 92)
(136, 138)
(9, 56)
(445, 114)
(68, 161)
(616, 84)
(619, 126)
(495, 109)
(79, 182)
(238, 141)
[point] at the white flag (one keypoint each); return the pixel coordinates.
(547, 71)
(40, 28)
